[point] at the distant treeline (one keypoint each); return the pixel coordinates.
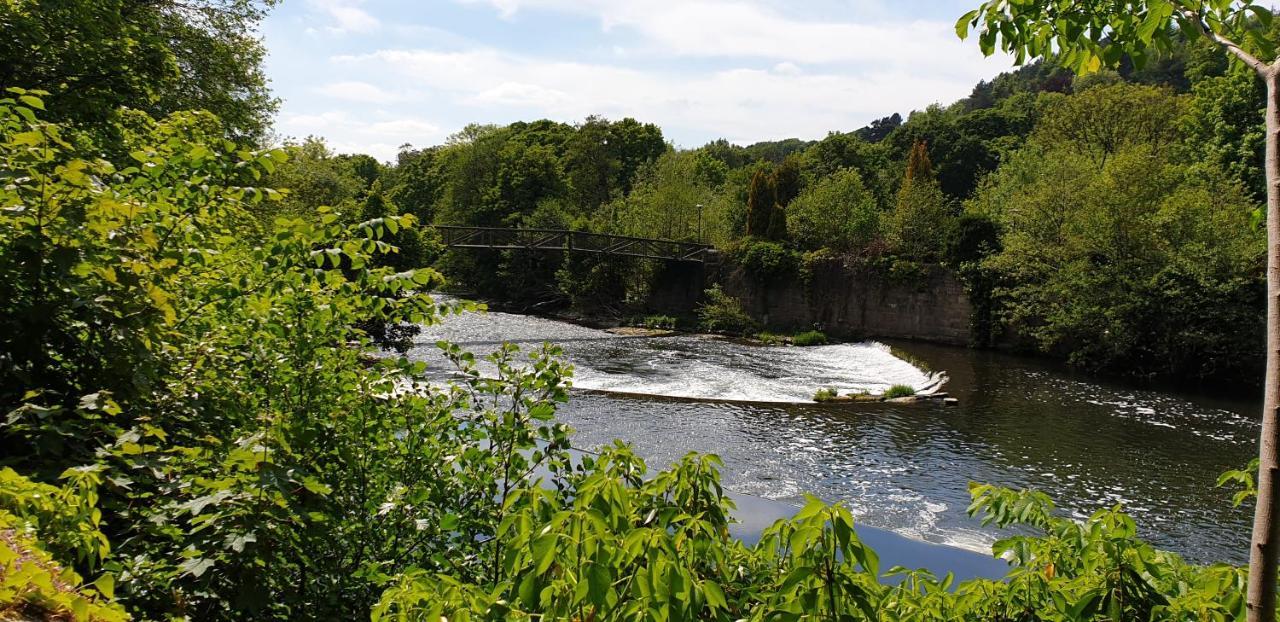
(1109, 219)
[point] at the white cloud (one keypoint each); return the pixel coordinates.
(787, 68)
(742, 104)
(357, 91)
(379, 137)
(346, 16)
(743, 29)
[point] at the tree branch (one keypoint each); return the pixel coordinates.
(1252, 61)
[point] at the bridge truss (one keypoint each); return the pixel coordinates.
(502, 238)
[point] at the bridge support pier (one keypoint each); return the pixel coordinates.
(678, 288)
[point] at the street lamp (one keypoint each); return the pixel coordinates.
(699, 223)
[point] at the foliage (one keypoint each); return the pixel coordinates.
(1245, 478)
(899, 390)
(920, 219)
(764, 261)
(762, 198)
(96, 56)
(39, 521)
(1089, 34)
(721, 313)
(770, 339)
(825, 395)
(233, 453)
(659, 321)
(1223, 128)
(667, 200)
(809, 338)
(836, 213)
(1103, 121)
(1114, 263)
(629, 547)
(314, 177)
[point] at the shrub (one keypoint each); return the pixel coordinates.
(899, 390)
(973, 237)
(825, 395)
(837, 213)
(624, 547)
(763, 260)
(771, 339)
(665, 322)
(809, 338)
(722, 313)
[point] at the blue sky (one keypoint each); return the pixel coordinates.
(370, 75)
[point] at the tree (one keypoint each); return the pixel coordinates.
(416, 183)
(838, 212)
(1103, 120)
(665, 198)
(877, 130)
(761, 198)
(1089, 34)
(161, 56)
(315, 177)
(1224, 127)
(917, 225)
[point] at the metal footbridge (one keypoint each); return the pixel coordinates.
(504, 238)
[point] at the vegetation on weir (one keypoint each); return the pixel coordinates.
(899, 390)
(809, 338)
(196, 424)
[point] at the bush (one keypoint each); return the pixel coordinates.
(659, 548)
(971, 239)
(763, 260)
(825, 395)
(809, 338)
(771, 339)
(899, 390)
(722, 313)
(837, 213)
(665, 322)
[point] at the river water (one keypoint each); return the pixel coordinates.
(1020, 422)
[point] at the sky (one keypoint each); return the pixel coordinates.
(372, 75)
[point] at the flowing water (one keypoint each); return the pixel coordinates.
(905, 468)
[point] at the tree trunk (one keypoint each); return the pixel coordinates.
(1264, 550)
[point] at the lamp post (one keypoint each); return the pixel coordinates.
(699, 223)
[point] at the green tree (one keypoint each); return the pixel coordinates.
(669, 199)
(1091, 33)
(1100, 121)
(917, 227)
(416, 183)
(1223, 127)
(761, 202)
(95, 56)
(837, 212)
(314, 176)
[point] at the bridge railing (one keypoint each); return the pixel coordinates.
(501, 238)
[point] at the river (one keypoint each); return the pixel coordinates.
(1020, 422)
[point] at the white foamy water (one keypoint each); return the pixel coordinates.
(690, 366)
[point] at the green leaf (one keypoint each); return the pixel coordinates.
(195, 566)
(714, 595)
(106, 584)
(33, 101)
(544, 552)
(962, 25)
